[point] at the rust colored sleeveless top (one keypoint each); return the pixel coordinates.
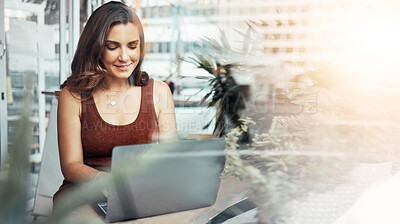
(99, 137)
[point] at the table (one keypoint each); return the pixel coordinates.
(230, 192)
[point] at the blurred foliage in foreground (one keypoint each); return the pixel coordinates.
(13, 188)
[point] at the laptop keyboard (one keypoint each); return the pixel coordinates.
(232, 211)
(103, 206)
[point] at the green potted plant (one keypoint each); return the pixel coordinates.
(220, 60)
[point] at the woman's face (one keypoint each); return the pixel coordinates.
(122, 51)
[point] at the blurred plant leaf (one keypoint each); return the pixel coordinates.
(13, 190)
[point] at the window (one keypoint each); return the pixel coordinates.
(144, 12)
(149, 47)
(168, 48)
(153, 12)
(306, 9)
(241, 10)
(213, 11)
(195, 45)
(264, 24)
(159, 47)
(207, 12)
(303, 36)
(304, 22)
(276, 36)
(195, 12)
(164, 47)
(164, 11)
(154, 48)
(43, 21)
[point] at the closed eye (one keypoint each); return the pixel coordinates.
(133, 44)
(111, 45)
(132, 47)
(111, 48)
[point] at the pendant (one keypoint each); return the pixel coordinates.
(113, 102)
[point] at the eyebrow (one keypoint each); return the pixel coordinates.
(115, 42)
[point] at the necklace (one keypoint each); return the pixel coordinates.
(112, 102)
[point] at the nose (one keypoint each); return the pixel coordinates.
(123, 56)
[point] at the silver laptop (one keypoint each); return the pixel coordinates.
(154, 179)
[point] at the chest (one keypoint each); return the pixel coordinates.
(119, 108)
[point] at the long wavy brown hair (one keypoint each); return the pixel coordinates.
(87, 67)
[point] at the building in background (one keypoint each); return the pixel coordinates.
(294, 35)
(174, 28)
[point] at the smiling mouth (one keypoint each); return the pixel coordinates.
(122, 66)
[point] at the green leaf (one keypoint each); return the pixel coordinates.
(208, 124)
(224, 41)
(205, 97)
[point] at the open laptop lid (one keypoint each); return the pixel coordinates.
(163, 178)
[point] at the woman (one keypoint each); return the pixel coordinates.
(107, 100)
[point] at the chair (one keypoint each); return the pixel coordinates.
(50, 176)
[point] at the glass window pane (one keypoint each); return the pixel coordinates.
(37, 56)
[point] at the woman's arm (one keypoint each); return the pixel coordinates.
(69, 139)
(165, 109)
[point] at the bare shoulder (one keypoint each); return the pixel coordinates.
(69, 101)
(66, 95)
(161, 87)
(162, 97)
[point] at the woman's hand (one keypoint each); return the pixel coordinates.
(100, 175)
